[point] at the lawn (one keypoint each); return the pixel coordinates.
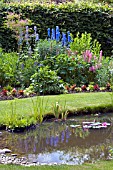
(29, 111)
(73, 102)
(104, 165)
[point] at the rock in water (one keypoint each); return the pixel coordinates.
(5, 150)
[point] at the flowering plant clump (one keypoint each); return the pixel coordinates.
(14, 92)
(70, 88)
(94, 62)
(84, 88)
(4, 92)
(108, 86)
(96, 87)
(21, 92)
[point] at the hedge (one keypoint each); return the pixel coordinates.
(94, 19)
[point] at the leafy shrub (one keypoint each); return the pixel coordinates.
(8, 68)
(46, 48)
(103, 74)
(85, 42)
(46, 81)
(26, 68)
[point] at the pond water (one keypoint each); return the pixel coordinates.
(58, 142)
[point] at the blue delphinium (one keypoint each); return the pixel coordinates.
(64, 39)
(53, 34)
(57, 33)
(49, 32)
(69, 37)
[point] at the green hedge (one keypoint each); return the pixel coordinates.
(94, 19)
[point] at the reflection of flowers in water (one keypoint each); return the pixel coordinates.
(47, 140)
(34, 148)
(53, 140)
(67, 135)
(62, 136)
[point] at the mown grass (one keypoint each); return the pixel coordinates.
(103, 165)
(74, 103)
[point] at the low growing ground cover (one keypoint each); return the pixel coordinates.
(104, 165)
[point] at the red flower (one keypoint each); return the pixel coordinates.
(21, 92)
(14, 91)
(4, 92)
(67, 88)
(84, 88)
(73, 87)
(96, 87)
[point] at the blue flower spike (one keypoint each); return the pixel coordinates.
(49, 32)
(57, 33)
(53, 34)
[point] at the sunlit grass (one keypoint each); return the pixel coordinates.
(103, 165)
(73, 102)
(24, 112)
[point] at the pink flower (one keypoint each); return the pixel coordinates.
(92, 68)
(89, 57)
(104, 124)
(100, 59)
(95, 57)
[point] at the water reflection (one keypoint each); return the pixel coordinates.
(57, 142)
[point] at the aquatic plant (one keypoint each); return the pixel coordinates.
(38, 108)
(60, 111)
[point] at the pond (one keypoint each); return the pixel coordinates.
(61, 143)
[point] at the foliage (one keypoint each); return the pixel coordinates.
(93, 18)
(59, 110)
(8, 69)
(103, 74)
(26, 67)
(38, 109)
(45, 48)
(65, 67)
(85, 42)
(46, 81)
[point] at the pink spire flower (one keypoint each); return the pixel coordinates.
(100, 59)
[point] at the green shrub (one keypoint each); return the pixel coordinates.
(103, 74)
(46, 81)
(8, 68)
(84, 17)
(26, 67)
(46, 48)
(85, 42)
